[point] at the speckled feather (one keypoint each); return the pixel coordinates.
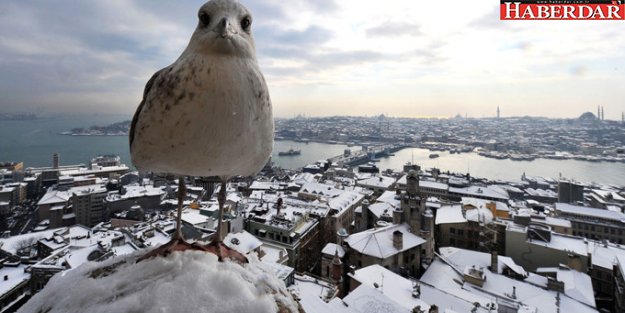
(209, 113)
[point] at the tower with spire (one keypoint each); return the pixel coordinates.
(598, 113)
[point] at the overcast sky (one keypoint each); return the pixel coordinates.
(320, 57)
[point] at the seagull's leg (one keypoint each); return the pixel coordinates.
(216, 246)
(221, 199)
(182, 192)
(177, 242)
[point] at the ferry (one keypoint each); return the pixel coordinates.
(368, 168)
(290, 152)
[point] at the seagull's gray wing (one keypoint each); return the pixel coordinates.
(135, 119)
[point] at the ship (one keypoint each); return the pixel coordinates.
(368, 168)
(290, 152)
(434, 156)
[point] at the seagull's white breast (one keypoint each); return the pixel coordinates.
(205, 118)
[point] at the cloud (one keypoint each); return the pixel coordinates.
(393, 29)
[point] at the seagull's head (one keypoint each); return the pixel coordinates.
(224, 27)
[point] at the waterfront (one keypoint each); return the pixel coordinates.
(34, 142)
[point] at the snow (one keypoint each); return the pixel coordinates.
(181, 282)
(393, 286)
(590, 212)
(390, 197)
(443, 274)
(15, 276)
(366, 299)
(242, 241)
(449, 214)
(377, 182)
(481, 192)
(379, 242)
(331, 249)
(345, 200)
(482, 215)
(381, 208)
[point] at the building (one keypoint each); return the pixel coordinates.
(537, 246)
(393, 247)
(148, 197)
(14, 289)
(619, 285)
(89, 206)
(593, 223)
(570, 192)
(290, 224)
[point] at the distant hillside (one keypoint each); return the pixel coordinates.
(116, 129)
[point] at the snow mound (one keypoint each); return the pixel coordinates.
(181, 282)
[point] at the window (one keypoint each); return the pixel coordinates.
(460, 232)
(452, 230)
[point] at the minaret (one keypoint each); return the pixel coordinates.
(598, 113)
(602, 114)
(497, 112)
(623, 117)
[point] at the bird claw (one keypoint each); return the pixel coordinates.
(176, 244)
(224, 253)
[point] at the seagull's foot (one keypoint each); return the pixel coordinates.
(224, 253)
(176, 244)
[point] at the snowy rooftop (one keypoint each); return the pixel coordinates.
(481, 191)
(242, 241)
(14, 276)
(590, 212)
(379, 242)
(481, 203)
(450, 214)
(345, 200)
(54, 196)
(381, 208)
(136, 191)
(332, 248)
(446, 275)
(391, 198)
(380, 182)
(577, 285)
(482, 215)
(400, 291)
(321, 189)
(541, 193)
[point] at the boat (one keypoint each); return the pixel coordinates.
(434, 155)
(290, 152)
(368, 168)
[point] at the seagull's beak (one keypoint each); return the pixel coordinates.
(224, 29)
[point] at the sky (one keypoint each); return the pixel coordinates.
(320, 58)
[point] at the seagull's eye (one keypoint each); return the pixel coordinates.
(245, 23)
(204, 18)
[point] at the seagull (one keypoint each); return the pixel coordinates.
(207, 114)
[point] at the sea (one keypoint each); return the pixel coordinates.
(35, 141)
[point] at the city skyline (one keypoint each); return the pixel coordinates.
(322, 58)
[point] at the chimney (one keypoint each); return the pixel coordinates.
(279, 205)
(337, 266)
(494, 265)
(55, 160)
(398, 240)
(397, 216)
